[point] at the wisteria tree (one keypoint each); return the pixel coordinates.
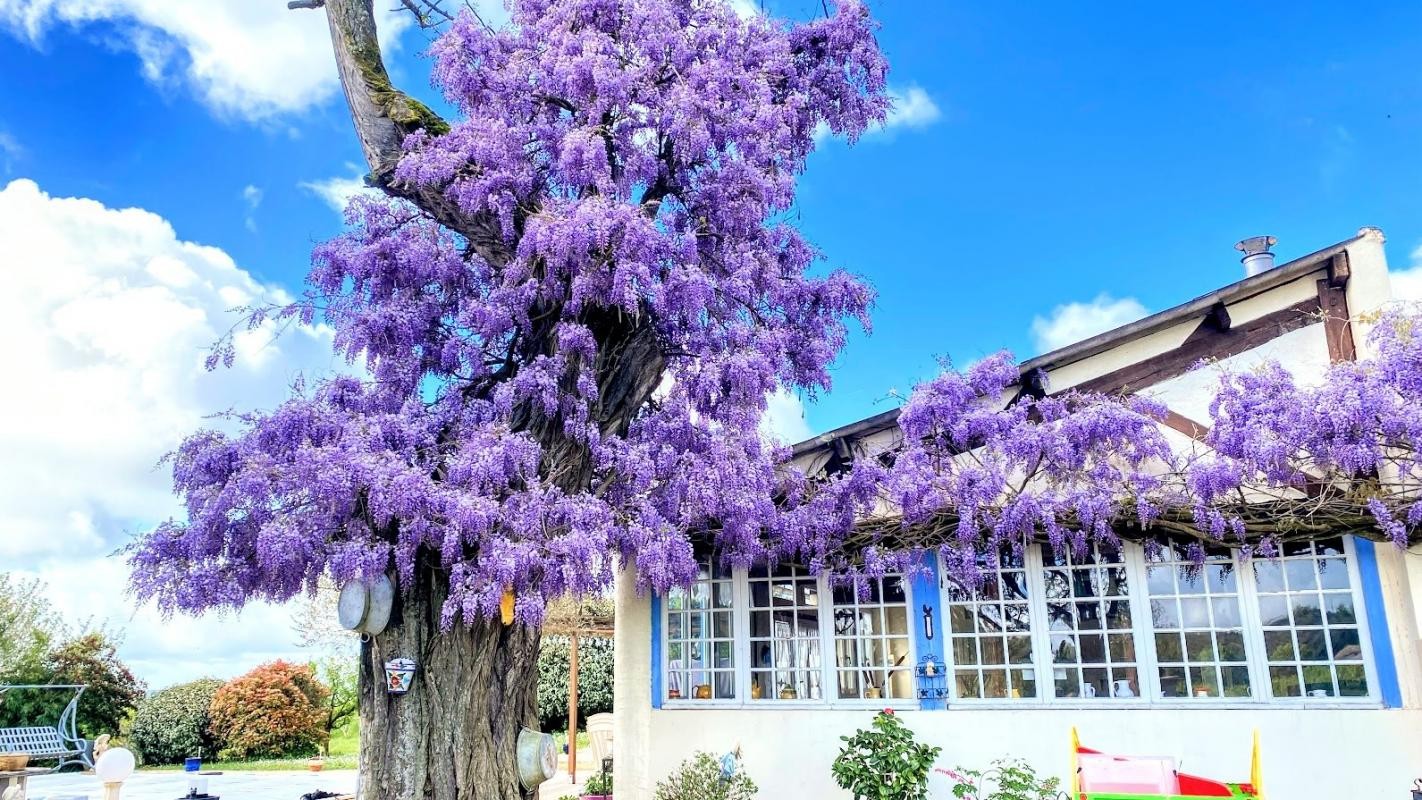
(567, 312)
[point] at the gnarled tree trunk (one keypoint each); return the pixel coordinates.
(453, 736)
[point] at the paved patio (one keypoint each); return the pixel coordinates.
(237, 785)
(173, 785)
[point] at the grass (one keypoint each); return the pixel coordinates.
(345, 744)
(560, 738)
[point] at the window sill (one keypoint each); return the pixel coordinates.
(795, 705)
(1360, 704)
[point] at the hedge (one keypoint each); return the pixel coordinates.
(173, 724)
(594, 680)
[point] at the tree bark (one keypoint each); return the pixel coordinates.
(454, 735)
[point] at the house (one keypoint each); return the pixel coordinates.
(1317, 650)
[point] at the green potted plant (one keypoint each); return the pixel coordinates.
(598, 787)
(884, 761)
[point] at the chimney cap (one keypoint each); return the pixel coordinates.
(1255, 244)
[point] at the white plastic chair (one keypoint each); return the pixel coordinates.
(600, 733)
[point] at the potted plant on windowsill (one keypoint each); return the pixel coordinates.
(598, 787)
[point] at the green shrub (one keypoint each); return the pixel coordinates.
(594, 680)
(173, 724)
(700, 778)
(1013, 779)
(599, 783)
(277, 710)
(885, 761)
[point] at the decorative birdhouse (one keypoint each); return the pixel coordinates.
(399, 675)
(506, 607)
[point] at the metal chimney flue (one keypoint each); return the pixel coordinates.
(1257, 257)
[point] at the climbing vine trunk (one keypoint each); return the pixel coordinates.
(454, 735)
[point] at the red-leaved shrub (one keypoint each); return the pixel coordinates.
(274, 711)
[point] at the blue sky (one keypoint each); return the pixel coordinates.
(1057, 168)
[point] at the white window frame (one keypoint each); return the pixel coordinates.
(829, 678)
(1149, 694)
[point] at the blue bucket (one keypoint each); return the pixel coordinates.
(192, 764)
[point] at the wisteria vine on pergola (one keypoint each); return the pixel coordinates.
(609, 217)
(983, 467)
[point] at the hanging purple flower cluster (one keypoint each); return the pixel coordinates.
(629, 164)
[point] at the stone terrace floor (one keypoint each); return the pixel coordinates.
(234, 785)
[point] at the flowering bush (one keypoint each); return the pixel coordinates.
(1013, 778)
(173, 724)
(276, 710)
(702, 777)
(885, 761)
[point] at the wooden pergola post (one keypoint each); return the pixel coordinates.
(573, 707)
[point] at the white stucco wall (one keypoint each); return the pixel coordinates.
(1307, 754)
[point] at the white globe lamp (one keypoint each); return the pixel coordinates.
(112, 769)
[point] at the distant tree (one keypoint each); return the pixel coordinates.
(316, 624)
(27, 624)
(275, 711)
(173, 724)
(340, 676)
(112, 692)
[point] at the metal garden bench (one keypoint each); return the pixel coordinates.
(60, 742)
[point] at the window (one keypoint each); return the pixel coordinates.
(1132, 627)
(989, 630)
(871, 641)
(701, 626)
(1199, 630)
(1310, 618)
(787, 636)
(1089, 625)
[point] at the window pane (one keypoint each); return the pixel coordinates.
(785, 608)
(990, 626)
(1352, 682)
(871, 640)
(1235, 681)
(700, 652)
(1198, 627)
(1314, 616)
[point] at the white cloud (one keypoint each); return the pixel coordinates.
(745, 9)
(10, 151)
(247, 58)
(784, 418)
(338, 191)
(1072, 322)
(1407, 283)
(252, 196)
(107, 316)
(913, 108)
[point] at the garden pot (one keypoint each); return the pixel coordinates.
(596, 797)
(315, 764)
